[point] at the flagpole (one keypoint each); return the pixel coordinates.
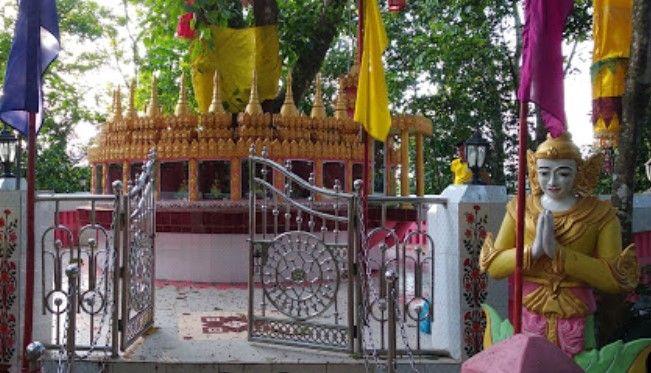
(519, 232)
(366, 137)
(32, 106)
(29, 276)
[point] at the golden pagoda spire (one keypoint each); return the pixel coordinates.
(289, 108)
(341, 112)
(182, 108)
(254, 107)
(117, 109)
(153, 110)
(131, 111)
(318, 109)
(216, 104)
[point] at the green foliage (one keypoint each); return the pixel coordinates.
(613, 358)
(81, 21)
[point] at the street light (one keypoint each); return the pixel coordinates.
(7, 150)
(476, 148)
(647, 167)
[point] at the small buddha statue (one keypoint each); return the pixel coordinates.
(573, 245)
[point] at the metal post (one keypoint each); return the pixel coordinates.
(251, 172)
(72, 272)
(352, 277)
(392, 294)
(33, 353)
(117, 228)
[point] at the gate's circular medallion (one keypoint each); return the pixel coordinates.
(299, 275)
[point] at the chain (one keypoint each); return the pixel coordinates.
(107, 268)
(367, 285)
(403, 332)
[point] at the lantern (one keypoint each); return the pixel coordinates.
(397, 5)
(476, 148)
(7, 150)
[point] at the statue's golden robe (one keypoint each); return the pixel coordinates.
(588, 255)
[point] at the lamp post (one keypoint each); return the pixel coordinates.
(647, 167)
(476, 148)
(7, 150)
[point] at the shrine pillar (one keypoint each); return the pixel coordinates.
(193, 180)
(278, 178)
(236, 179)
(420, 166)
(348, 176)
(318, 176)
(126, 175)
(106, 187)
(93, 178)
(404, 160)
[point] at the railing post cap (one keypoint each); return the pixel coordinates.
(358, 184)
(390, 274)
(72, 270)
(35, 350)
(117, 186)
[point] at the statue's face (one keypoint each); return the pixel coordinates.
(556, 177)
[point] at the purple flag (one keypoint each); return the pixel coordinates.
(36, 44)
(541, 74)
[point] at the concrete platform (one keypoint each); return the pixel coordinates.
(175, 346)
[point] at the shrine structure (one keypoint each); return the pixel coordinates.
(201, 155)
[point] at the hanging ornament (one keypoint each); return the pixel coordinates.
(397, 5)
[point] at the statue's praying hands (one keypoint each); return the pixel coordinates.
(545, 241)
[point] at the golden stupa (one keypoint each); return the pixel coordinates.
(203, 155)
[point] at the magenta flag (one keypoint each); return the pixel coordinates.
(541, 74)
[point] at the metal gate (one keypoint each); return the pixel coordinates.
(301, 286)
(138, 258)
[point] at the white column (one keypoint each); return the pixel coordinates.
(13, 241)
(458, 230)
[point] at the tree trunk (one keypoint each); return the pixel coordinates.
(308, 63)
(613, 310)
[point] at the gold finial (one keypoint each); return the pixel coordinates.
(289, 108)
(318, 109)
(216, 104)
(254, 107)
(131, 111)
(117, 109)
(341, 112)
(153, 110)
(182, 104)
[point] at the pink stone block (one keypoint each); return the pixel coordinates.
(521, 353)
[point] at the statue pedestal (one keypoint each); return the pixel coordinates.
(458, 230)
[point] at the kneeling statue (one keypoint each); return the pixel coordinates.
(572, 245)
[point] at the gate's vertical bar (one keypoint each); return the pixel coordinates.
(359, 269)
(251, 238)
(151, 212)
(117, 226)
(351, 273)
(72, 272)
(124, 272)
(392, 294)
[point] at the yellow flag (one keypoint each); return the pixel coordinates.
(235, 53)
(372, 104)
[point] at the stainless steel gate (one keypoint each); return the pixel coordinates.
(138, 258)
(301, 283)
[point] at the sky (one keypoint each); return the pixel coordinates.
(577, 89)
